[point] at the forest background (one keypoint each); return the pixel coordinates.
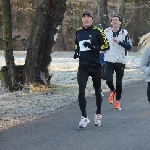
(136, 20)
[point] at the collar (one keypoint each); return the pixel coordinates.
(115, 34)
(118, 30)
(88, 27)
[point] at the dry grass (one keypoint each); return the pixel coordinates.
(36, 88)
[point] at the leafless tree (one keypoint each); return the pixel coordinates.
(7, 38)
(47, 17)
(103, 13)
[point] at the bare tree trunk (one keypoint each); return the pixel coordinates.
(103, 13)
(48, 16)
(7, 37)
(122, 9)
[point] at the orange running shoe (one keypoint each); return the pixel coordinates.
(117, 105)
(112, 97)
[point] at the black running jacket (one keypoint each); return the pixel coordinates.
(98, 40)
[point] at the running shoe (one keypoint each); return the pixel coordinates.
(84, 121)
(97, 119)
(112, 97)
(117, 105)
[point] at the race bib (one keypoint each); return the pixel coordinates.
(82, 47)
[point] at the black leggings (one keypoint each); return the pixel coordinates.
(82, 99)
(93, 70)
(148, 91)
(109, 71)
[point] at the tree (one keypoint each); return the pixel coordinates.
(47, 17)
(103, 13)
(7, 37)
(122, 8)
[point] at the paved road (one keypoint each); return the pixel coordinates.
(128, 129)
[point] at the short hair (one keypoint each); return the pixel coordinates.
(120, 19)
(88, 13)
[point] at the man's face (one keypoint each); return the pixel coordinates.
(87, 21)
(115, 22)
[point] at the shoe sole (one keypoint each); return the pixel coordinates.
(81, 127)
(111, 102)
(117, 108)
(97, 125)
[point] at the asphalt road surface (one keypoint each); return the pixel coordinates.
(128, 129)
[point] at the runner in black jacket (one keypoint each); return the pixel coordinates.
(90, 40)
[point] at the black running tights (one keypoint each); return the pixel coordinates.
(109, 71)
(82, 100)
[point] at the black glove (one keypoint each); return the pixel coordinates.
(89, 45)
(76, 55)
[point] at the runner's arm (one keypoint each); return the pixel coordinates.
(127, 43)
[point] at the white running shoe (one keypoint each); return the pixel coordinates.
(97, 119)
(84, 121)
